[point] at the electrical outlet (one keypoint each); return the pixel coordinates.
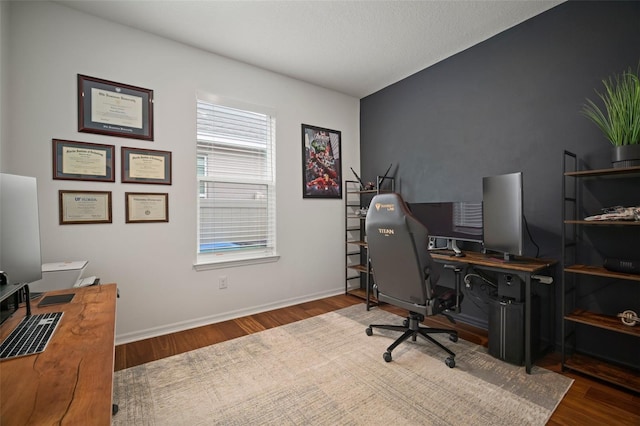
(223, 281)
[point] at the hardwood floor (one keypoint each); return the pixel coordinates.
(588, 402)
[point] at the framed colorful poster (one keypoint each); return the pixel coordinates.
(321, 166)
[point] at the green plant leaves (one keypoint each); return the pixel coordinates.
(620, 120)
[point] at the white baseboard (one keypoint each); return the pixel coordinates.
(225, 316)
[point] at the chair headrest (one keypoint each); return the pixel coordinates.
(398, 250)
(389, 203)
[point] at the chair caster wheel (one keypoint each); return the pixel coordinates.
(369, 331)
(453, 337)
(451, 362)
(387, 356)
(405, 323)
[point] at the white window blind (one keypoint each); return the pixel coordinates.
(467, 217)
(236, 183)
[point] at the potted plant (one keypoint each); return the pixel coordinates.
(620, 120)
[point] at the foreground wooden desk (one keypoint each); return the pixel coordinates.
(525, 268)
(71, 382)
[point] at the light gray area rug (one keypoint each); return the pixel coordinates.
(326, 371)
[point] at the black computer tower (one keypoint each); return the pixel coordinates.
(506, 329)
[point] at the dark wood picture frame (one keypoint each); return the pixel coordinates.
(148, 166)
(83, 161)
(114, 109)
(83, 207)
(142, 207)
(321, 162)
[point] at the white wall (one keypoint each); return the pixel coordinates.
(4, 36)
(48, 46)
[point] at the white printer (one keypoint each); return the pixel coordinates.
(60, 275)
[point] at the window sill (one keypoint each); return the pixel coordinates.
(208, 264)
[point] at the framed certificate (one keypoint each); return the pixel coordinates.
(146, 207)
(145, 166)
(83, 161)
(114, 109)
(78, 207)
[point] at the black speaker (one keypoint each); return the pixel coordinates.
(619, 265)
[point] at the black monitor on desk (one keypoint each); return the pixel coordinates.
(502, 213)
(451, 221)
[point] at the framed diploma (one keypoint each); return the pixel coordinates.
(83, 161)
(114, 109)
(78, 207)
(146, 207)
(145, 166)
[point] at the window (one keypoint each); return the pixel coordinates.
(467, 217)
(236, 182)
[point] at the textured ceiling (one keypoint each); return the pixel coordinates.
(353, 47)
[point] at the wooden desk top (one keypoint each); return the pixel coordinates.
(522, 264)
(71, 382)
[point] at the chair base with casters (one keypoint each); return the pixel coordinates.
(411, 328)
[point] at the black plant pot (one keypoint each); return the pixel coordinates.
(625, 156)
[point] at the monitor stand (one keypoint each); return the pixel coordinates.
(512, 258)
(27, 299)
(452, 245)
(505, 258)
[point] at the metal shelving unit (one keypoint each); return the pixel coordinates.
(358, 274)
(573, 314)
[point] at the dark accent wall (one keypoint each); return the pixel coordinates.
(510, 103)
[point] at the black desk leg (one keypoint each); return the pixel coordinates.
(527, 323)
(368, 289)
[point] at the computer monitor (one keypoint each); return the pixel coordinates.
(20, 257)
(502, 213)
(451, 221)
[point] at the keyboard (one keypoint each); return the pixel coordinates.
(31, 336)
